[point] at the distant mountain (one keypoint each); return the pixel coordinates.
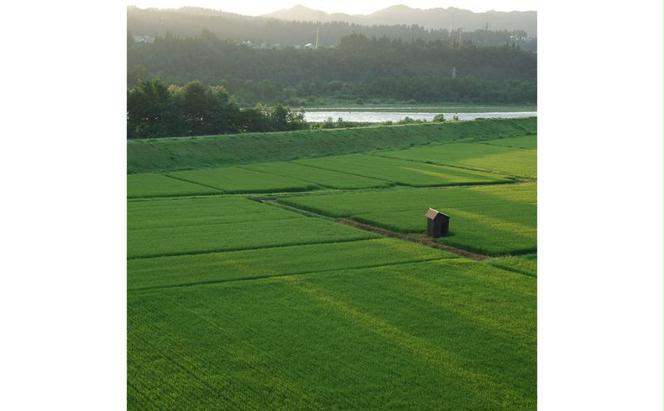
(302, 13)
(437, 18)
(147, 24)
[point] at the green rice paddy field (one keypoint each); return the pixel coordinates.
(498, 158)
(491, 219)
(158, 185)
(249, 287)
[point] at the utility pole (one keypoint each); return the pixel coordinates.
(317, 34)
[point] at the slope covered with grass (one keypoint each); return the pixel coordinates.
(166, 154)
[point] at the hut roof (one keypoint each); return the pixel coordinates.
(432, 214)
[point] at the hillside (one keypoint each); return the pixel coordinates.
(358, 68)
(302, 13)
(281, 30)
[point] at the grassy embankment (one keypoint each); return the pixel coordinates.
(181, 153)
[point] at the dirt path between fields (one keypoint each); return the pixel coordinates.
(420, 239)
(415, 238)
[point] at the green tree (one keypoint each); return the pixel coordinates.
(283, 118)
(151, 111)
(207, 110)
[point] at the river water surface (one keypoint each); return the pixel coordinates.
(382, 116)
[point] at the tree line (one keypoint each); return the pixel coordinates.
(385, 90)
(358, 68)
(155, 109)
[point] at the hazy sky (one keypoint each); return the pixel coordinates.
(255, 7)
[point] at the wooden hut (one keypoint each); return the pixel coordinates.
(438, 224)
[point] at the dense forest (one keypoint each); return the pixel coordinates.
(266, 32)
(357, 68)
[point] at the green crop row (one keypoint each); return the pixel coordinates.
(340, 172)
(196, 225)
(234, 265)
(270, 177)
(316, 175)
(436, 335)
(494, 220)
(165, 241)
(197, 211)
(400, 171)
(520, 264)
(492, 158)
(526, 142)
(158, 185)
(240, 180)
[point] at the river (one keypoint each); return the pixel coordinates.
(382, 116)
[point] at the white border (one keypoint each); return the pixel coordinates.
(63, 220)
(600, 206)
(62, 298)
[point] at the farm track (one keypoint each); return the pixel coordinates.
(415, 238)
